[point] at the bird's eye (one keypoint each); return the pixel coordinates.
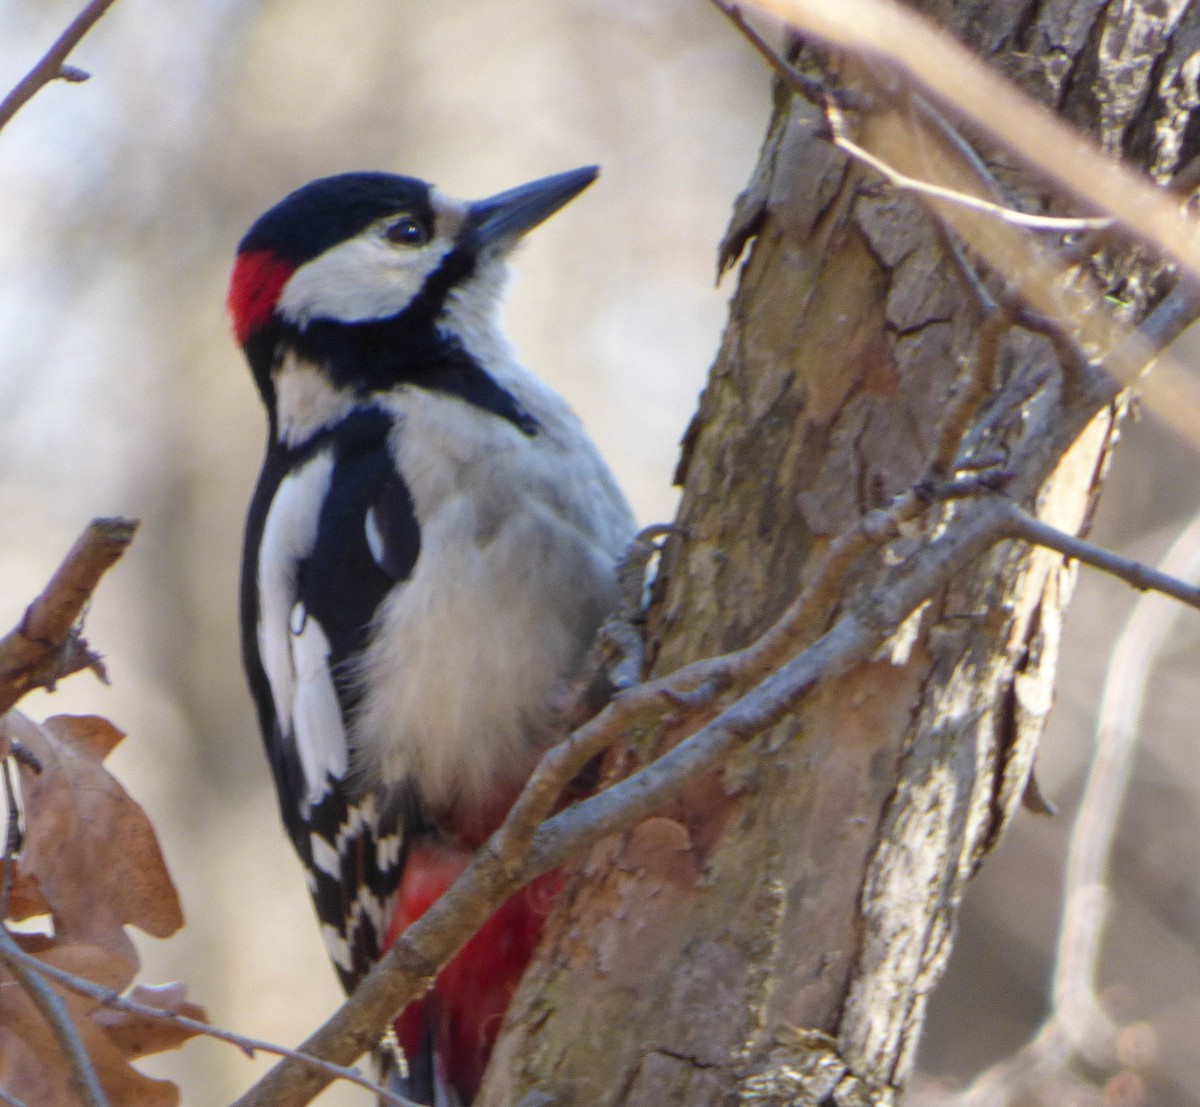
(407, 231)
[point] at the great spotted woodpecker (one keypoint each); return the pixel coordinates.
(430, 548)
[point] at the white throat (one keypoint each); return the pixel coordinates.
(306, 401)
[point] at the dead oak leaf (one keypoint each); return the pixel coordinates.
(33, 1070)
(32, 1067)
(91, 847)
(92, 962)
(91, 855)
(139, 1035)
(25, 899)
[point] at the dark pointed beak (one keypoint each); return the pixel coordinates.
(502, 219)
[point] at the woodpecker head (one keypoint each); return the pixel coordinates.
(360, 273)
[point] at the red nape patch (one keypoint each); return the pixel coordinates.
(461, 1016)
(258, 278)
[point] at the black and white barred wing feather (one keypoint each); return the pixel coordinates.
(338, 534)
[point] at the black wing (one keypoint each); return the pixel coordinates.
(361, 538)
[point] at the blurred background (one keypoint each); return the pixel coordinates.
(121, 392)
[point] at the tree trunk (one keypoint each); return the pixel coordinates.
(774, 938)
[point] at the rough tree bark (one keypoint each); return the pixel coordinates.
(774, 938)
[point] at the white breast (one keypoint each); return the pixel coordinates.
(519, 540)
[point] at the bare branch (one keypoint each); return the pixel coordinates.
(902, 181)
(695, 687)
(46, 646)
(809, 87)
(1133, 660)
(84, 1080)
(1134, 573)
(1177, 311)
(832, 101)
(51, 67)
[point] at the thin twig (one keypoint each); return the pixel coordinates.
(46, 645)
(1134, 658)
(1130, 358)
(84, 1080)
(1170, 317)
(1078, 249)
(968, 156)
(927, 57)
(1061, 224)
(1137, 574)
(816, 92)
(107, 997)
(10, 1100)
(51, 67)
(996, 314)
(811, 89)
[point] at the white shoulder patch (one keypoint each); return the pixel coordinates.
(293, 645)
(316, 716)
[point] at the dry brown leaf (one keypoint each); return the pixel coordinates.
(124, 1085)
(92, 962)
(90, 846)
(25, 899)
(33, 1070)
(91, 861)
(35, 941)
(86, 733)
(138, 1035)
(139, 875)
(31, 1060)
(32, 1067)
(25, 1074)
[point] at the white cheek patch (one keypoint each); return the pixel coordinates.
(359, 280)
